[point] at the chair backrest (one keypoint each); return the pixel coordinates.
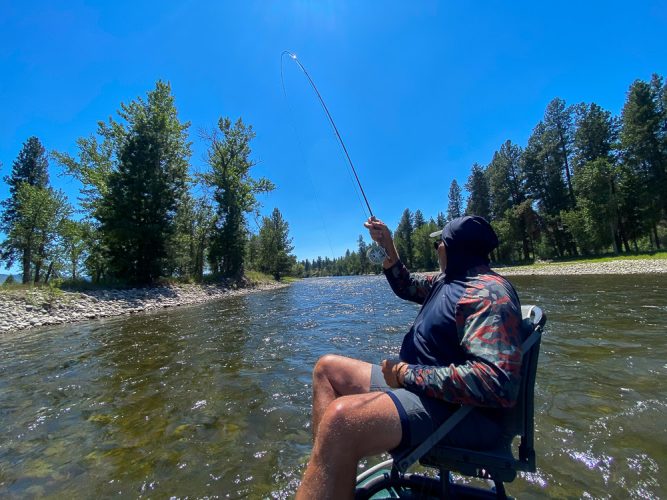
(520, 420)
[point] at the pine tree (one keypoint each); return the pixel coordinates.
(595, 134)
(597, 203)
(138, 210)
(508, 201)
(644, 155)
(558, 123)
(419, 219)
(542, 169)
(364, 263)
(275, 246)
(455, 203)
(403, 238)
(478, 187)
(234, 194)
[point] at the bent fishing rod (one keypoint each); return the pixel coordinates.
(374, 254)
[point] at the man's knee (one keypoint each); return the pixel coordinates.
(357, 426)
(337, 429)
(328, 369)
(324, 365)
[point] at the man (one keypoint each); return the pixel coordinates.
(463, 348)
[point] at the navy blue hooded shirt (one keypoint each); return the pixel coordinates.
(432, 340)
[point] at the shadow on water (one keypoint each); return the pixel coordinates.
(215, 399)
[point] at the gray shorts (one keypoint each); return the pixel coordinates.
(421, 416)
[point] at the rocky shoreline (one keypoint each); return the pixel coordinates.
(22, 309)
(620, 266)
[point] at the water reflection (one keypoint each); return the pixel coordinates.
(214, 399)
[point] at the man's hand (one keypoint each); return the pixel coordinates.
(394, 372)
(380, 233)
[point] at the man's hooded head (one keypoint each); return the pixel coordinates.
(469, 241)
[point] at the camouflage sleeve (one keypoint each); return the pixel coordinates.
(408, 286)
(489, 326)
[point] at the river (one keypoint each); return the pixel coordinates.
(214, 400)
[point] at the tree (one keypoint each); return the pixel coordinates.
(275, 245)
(593, 221)
(478, 187)
(559, 132)
(403, 238)
(30, 168)
(419, 219)
(138, 210)
(73, 236)
(595, 180)
(234, 194)
(505, 181)
(98, 157)
(542, 169)
(508, 199)
(425, 258)
(187, 248)
(364, 263)
(455, 203)
(595, 134)
(38, 217)
(441, 220)
(643, 151)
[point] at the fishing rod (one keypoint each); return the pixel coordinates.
(375, 254)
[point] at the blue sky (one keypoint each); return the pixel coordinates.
(420, 90)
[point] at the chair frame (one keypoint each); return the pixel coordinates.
(499, 465)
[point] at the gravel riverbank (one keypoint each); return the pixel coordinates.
(621, 266)
(21, 309)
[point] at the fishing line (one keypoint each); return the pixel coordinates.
(376, 253)
(301, 149)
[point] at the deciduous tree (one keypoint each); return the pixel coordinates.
(29, 169)
(235, 194)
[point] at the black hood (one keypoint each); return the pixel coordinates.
(469, 240)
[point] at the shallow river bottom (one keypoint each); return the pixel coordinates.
(214, 400)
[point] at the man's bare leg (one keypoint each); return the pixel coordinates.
(336, 376)
(351, 428)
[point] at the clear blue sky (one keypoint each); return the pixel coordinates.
(420, 90)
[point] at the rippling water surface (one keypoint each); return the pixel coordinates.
(214, 400)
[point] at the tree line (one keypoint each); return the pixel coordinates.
(144, 216)
(586, 183)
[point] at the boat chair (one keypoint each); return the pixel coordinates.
(390, 479)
